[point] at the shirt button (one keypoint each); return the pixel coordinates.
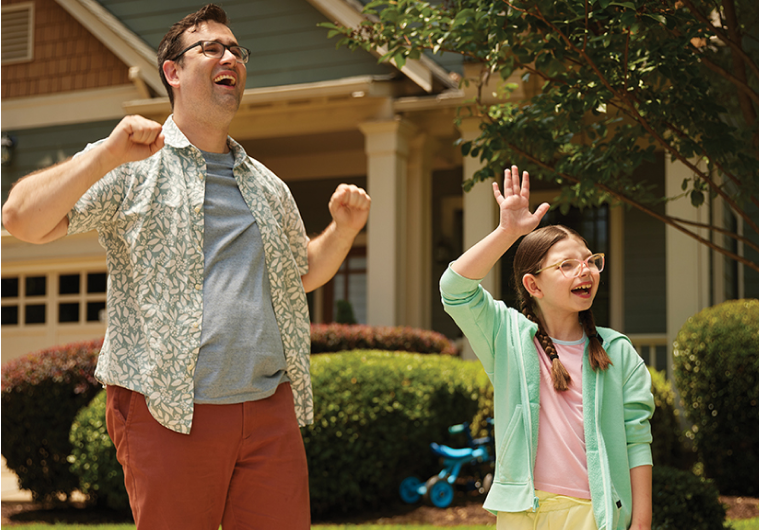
(197, 209)
(198, 287)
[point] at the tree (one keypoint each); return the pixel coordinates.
(618, 81)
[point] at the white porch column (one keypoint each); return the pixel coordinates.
(480, 214)
(687, 259)
(418, 264)
(386, 145)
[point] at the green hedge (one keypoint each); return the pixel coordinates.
(41, 394)
(668, 447)
(683, 500)
(717, 373)
(375, 416)
(93, 458)
(331, 338)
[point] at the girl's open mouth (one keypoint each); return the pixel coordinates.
(583, 289)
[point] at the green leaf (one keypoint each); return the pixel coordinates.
(697, 198)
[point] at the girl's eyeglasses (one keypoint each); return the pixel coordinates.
(215, 50)
(571, 268)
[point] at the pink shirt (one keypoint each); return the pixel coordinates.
(561, 466)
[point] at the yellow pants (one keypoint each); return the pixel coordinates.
(556, 512)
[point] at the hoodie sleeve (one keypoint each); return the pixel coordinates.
(639, 408)
(474, 311)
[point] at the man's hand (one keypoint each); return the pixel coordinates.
(134, 138)
(349, 207)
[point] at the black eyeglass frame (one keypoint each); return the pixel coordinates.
(203, 43)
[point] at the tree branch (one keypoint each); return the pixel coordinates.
(663, 218)
(735, 46)
(724, 231)
(741, 84)
(632, 111)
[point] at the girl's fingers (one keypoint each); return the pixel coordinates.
(497, 193)
(525, 184)
(515, 179)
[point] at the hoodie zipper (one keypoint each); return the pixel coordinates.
(528, 409)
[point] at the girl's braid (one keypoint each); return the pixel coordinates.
(599, 359)
(559, 374)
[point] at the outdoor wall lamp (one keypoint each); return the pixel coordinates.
(8, 148)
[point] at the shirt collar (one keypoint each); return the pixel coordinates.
(175, 138)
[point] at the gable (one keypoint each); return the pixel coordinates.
(287, 47)
(64, 56)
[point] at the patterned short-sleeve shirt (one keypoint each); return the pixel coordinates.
(149, 218)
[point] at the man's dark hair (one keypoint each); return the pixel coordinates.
(171, 44)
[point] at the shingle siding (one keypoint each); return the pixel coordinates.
(66, 57)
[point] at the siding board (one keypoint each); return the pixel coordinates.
(288, 47)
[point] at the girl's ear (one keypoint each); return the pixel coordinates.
(170, 72)
(531, 285)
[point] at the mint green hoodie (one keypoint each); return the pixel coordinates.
(617, 405)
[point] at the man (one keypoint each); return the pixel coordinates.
(206, 352)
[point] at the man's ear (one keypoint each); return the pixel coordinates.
(170, 72)
(531, 285)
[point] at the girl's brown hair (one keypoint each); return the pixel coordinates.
(528, 260)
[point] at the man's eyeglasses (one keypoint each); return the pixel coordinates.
(215, 50)
(571, 268)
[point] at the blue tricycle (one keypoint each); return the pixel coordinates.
(439, 489)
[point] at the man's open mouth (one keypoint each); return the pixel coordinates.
(225, 79)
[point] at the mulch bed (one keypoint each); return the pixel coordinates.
(465, 510)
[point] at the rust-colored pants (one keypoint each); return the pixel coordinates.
(242, 466)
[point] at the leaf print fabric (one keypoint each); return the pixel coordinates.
(149, 218)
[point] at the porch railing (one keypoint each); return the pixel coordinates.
(646, 344)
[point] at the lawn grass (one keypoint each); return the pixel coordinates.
(42, 526)
(745, 524)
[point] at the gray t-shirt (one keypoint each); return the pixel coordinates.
(241, 353)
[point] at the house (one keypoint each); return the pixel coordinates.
(317, 116)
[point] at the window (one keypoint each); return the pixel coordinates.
(81, 297)
(17, 33)
(349, 284)
(24, 300)
(77, 298)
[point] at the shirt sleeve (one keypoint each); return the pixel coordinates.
(475, 312)
(638, 409)
(100, 203)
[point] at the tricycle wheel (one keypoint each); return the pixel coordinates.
(409, 490)
(439, 492)
(487, 483)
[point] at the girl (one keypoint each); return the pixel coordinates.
(572, 401)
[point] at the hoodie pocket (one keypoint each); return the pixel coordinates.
(618, 509)
(513, 463)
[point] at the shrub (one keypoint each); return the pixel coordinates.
(41, 394)
(342, 337)
(717, 373)
(667, 447)
(93, 458)
(345, 313)
(683, 500)
(375, 416)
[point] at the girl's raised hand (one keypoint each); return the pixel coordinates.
(514, 204)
